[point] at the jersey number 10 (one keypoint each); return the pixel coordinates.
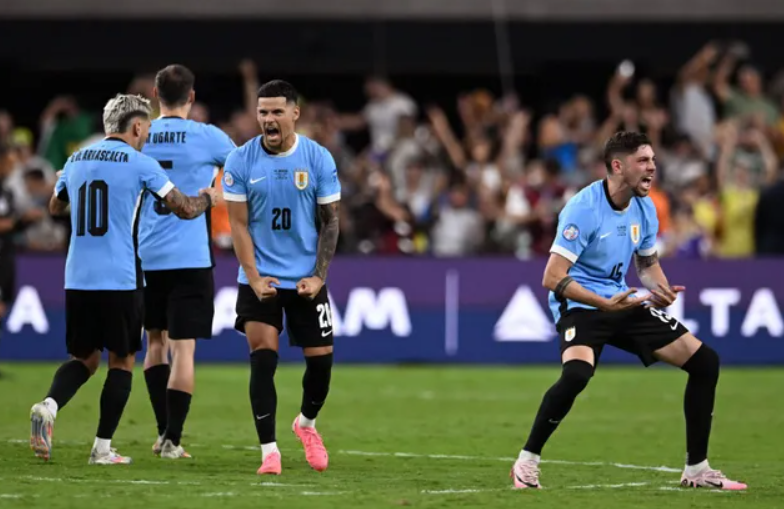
(98, 204)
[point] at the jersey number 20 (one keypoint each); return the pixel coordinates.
(98, 204)
(281, 219)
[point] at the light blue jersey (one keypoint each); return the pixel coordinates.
(191, 153)
(283, 192)
(104, 183)
(600, 240)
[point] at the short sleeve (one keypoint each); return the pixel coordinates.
(327, 181)
(154, 178)
(576, 225)
(220, 145)
(60, 188)
(234, 185)
(651, 226)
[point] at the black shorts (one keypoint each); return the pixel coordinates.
(98, 319)
(640, 331)
(7, 279)
(308, 322)
(181, 302)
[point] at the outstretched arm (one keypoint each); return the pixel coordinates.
(328, 237)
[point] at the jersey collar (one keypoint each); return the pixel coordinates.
(113, 138)
(281, 154)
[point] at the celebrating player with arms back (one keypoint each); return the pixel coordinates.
(103, 298)
(278, 186)
(599, 230)
(176, 256)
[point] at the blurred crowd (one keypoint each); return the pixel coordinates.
(488, 174)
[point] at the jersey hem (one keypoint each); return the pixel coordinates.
(237, 198)
(324, 200)
(564, 252)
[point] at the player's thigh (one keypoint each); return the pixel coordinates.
(309, 321)
(644, 331)
(679, 351)
(583, 333)
(156, 299)
(121, 320)
(191, 305)
(260, 321)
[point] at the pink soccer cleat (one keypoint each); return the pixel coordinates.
(525, 474)
(712, 479)
(270, 465)
(315, 452)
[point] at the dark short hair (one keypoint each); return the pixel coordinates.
(279, 88)
(623, 142)
(174, 83)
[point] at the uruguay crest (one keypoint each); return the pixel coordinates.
(571, 332)
(635, 233)
(301, 179)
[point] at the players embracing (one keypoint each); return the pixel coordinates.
(599, 231)
(283, 197)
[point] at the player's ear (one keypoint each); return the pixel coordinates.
(192, 97)
(296, 113)
(155, 93)
(616, 165)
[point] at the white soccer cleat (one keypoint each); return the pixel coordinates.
(171, 451)
(156, 447)
(110, 458)
(41, 427)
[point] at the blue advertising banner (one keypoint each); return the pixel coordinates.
(398, 310)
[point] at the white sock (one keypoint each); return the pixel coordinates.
(528, 456)
(304, 422)
(692, 470)
(268, 448)
(102, 445)
(52, 406)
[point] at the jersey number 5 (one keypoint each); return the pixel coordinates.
(281, 219)
(160, 208)
(98, 204)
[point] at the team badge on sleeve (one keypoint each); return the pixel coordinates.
(228, 179)
(301, 179)
(571, 232)
(635, 231)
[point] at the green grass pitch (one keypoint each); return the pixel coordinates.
(403, 436)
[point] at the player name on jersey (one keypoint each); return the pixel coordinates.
(112, 156)
(167, 137)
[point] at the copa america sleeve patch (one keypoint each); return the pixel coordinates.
(228, 179)
(571, 232)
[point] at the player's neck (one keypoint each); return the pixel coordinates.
(126, 137)
(180, 112)
(618, 193)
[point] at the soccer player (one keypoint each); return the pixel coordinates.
(599, 230)
(103, 183)
(176, 256)
(279, 187)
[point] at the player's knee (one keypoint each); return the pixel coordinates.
(91, 362)
(124, 363)
(320, 364)
(704, 363)
(576, 374)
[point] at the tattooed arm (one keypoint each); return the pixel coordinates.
(328, 237)
(189, 207)
(652, 276)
